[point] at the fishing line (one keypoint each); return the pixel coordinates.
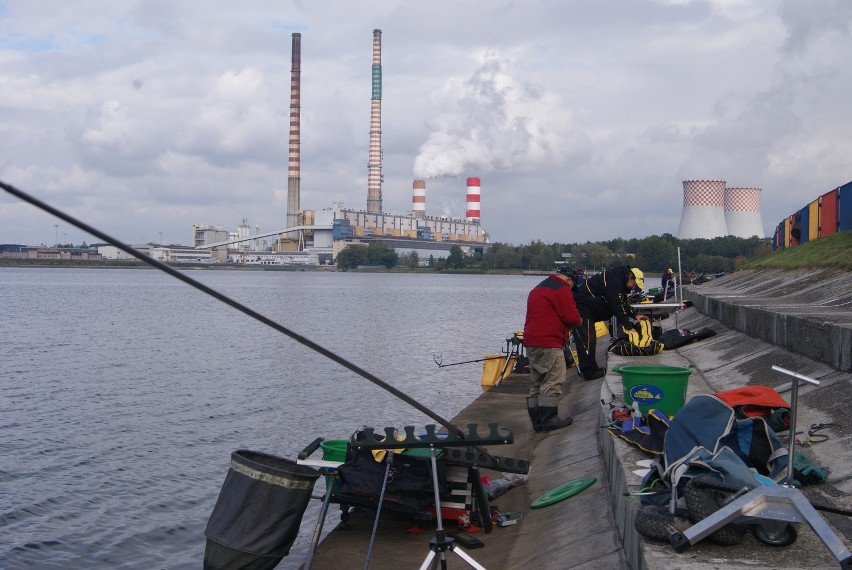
(228, 301)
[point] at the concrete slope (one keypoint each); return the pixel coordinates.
(807, 312)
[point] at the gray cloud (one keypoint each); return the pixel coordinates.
(580, 117)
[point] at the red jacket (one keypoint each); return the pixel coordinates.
(551, 314)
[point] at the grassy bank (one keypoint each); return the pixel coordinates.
(831, 252)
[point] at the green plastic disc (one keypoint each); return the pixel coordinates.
(562, 492)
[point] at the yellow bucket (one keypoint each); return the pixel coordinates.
(492, 366)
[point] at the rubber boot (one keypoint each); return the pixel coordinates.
(535, 413)
(551, 421)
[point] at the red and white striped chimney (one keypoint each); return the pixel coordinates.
(418, 197)
(293, 164)
(473, 188)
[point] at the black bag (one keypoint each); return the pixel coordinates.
(675, 338)
(409, 488)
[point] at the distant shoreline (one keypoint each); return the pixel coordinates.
(83, 264)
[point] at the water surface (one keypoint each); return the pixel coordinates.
(123, 392)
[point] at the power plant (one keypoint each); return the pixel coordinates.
(316, 236)
(711, 210)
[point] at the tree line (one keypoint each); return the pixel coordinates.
(652, 253)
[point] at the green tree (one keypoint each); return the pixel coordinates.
(380, 254)
(592, 255)
(655, 254)
(456, 259)
(411, 260)
(352, 256)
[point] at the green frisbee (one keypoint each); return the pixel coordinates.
(562, 492)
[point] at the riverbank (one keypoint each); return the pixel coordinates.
(594, 529)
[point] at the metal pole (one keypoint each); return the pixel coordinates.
(794, 404)
(678, 284)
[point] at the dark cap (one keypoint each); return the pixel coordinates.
(568, 272)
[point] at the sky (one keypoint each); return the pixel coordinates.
(581, 117)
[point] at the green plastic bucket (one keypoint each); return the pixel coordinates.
(654, 387)
(334, 449)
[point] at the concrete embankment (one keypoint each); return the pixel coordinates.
(594, 529)
(807, 312)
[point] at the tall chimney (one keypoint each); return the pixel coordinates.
(473, 189)
(374, 164)
(418, 198)
(293, 176)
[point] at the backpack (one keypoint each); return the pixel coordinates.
(637, 340)
(409, 489)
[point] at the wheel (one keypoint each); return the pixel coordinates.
(785, 535)
(706, 495)
(654, 522)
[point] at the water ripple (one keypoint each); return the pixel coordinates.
(124, 392)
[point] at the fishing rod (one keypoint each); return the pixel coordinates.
(228, 301)
(439, 360)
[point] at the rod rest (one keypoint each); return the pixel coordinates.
(391, 441)
(475, 458)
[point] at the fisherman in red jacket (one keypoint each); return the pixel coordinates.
(551, 314)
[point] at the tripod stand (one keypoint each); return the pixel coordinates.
(473, 458)
(442, 543)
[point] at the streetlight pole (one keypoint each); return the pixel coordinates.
(56, 235)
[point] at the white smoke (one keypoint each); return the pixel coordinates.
(489, 121)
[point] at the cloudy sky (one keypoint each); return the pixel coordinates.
(581, 117)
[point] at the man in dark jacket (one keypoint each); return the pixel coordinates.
(551, 314)
(599, 299)
(667, 280)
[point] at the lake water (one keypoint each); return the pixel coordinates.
(123, 392)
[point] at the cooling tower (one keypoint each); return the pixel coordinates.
(473, 188)
(418, 198)
(703, 213)
(374, 162)
(294, 160)
(742, 212)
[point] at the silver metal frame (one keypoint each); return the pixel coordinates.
(771, 506)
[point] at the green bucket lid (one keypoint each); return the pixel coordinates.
(562, 492)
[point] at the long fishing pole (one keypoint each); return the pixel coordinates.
(228, 301)
(441, 365)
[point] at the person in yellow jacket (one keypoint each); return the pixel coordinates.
(600, 298)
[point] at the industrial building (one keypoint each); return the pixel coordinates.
(315, 237)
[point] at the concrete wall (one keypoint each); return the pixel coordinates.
(807, 312)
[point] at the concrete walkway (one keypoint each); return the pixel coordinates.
(594, 529)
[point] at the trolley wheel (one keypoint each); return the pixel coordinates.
(785, 536)
(706, 495)
(657, 523)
